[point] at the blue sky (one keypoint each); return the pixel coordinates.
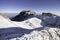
(15, 6)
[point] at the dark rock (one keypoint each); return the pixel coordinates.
(47, 14)
(23, 15)
(49, 19)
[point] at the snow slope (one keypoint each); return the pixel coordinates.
(5, 22)
(31, 23)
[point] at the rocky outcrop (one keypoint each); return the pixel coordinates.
(23, 15)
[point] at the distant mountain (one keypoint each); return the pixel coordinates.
(50, 19)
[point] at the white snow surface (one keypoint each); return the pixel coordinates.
(5, 22)
(31, 23)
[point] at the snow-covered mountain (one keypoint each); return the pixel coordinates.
(32, 27)
(31, 23)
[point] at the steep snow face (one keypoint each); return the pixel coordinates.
(46, 34)
(29, 24)
(5, 22)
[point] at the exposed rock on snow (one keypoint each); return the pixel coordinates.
(46, 34)
(23, 15)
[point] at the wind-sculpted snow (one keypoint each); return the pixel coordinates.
(29, 23)
(46, 34)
